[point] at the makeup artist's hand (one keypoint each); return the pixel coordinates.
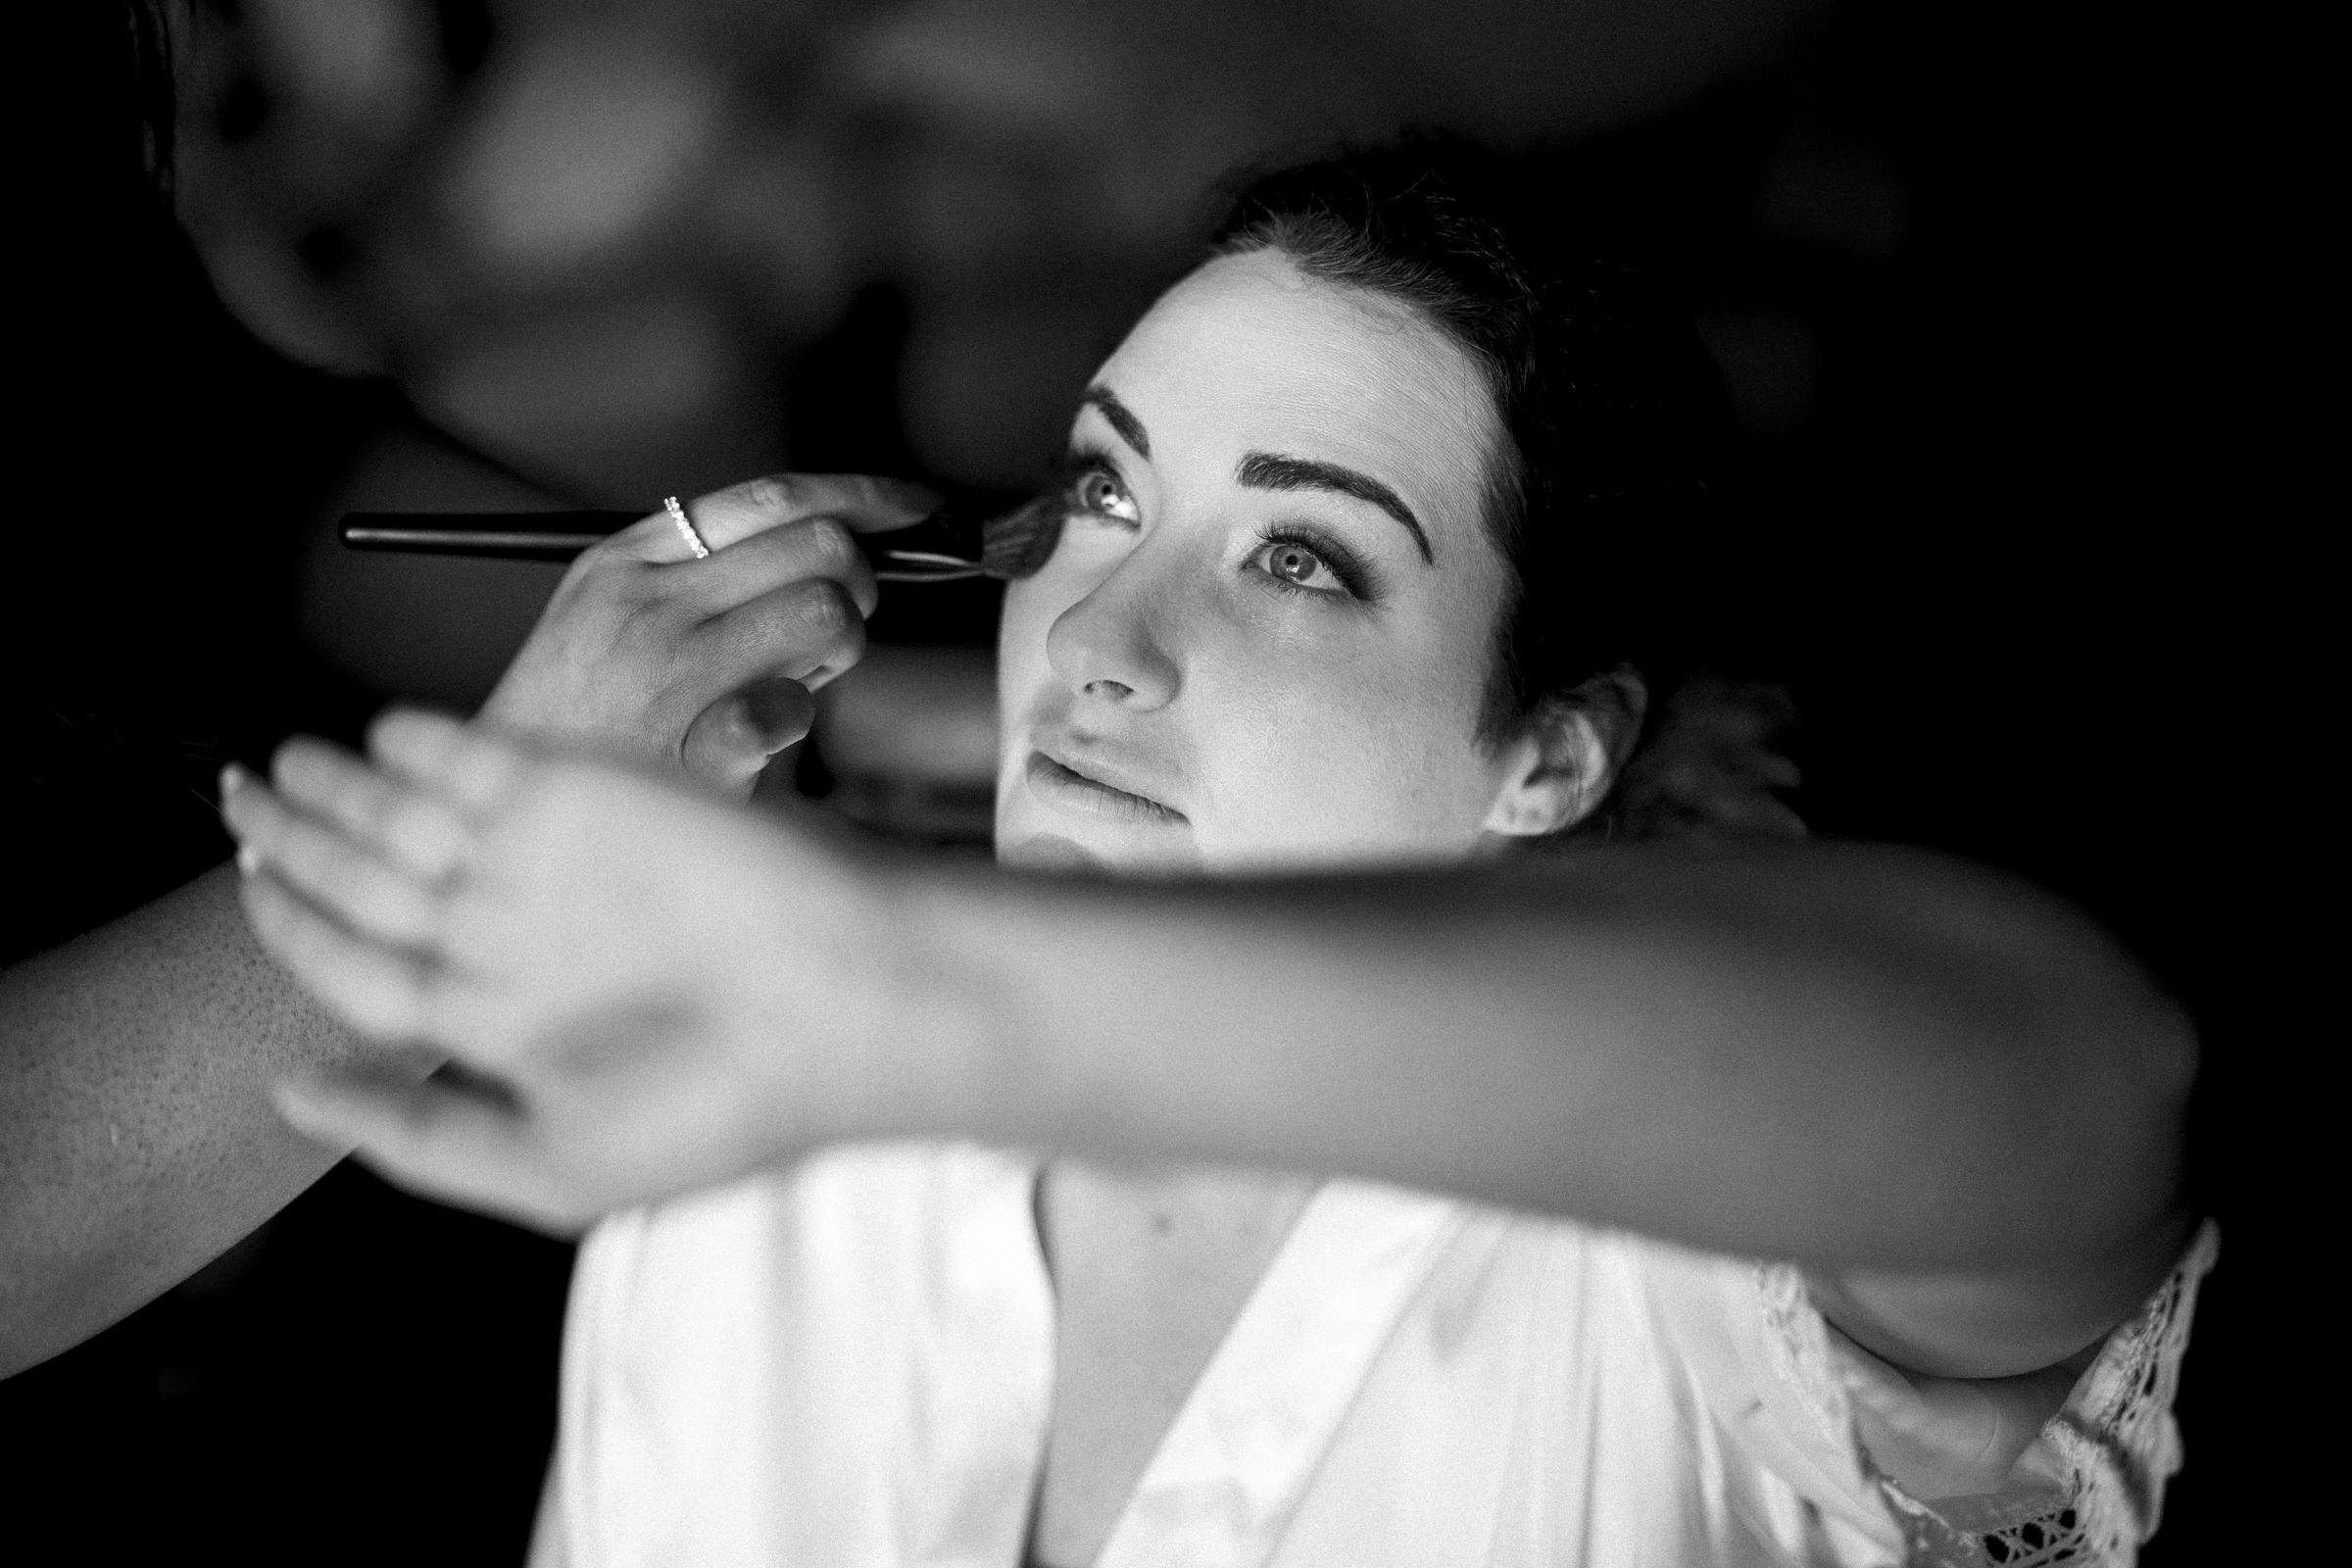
(647, 654)
(645, 991)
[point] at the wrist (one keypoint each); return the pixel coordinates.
(873, 1022)
(968, 1045)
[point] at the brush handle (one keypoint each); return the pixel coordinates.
(942, 548)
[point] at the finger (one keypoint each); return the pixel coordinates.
(730, 740)
(652, 538)
(822, 546)
(373, 808)
(330, 871)
(466, 767)
(808, 631)
(448, 1142)
(380, 991)
(865, 503)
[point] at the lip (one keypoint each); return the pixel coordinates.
(1097, 788)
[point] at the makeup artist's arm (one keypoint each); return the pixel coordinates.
(1879, 1063)
(136, 1138)
(138, 1141)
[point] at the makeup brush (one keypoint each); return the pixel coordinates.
(945, 547)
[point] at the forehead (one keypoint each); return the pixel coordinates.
(1249, 352)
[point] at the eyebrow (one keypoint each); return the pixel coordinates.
(1122, 419)
(1272, 470)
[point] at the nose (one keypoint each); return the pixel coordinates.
(1111, 646)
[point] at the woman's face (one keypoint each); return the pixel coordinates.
(1265, 635)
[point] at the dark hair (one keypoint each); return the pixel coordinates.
(1617, 428)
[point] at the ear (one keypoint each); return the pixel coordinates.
(1568, 755)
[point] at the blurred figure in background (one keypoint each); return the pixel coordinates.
(595, 238)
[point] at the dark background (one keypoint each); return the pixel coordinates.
(1979, 281)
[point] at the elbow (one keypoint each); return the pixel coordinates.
(2136, 1054)
(2127, 1060)
(2112, 1048)
(2095, 1095)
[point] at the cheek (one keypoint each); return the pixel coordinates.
(1330, 756)
(1029, 613)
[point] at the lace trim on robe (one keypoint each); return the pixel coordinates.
(2089, 1488)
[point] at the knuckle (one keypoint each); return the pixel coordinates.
(831, 610)
(849, 640)
(424, 835)
(407, 824)
(626, 588)
(832, 546)
(593, 564)
(771, 492)
(306, 849)
(367, 806)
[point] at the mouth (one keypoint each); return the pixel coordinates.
(1060, 784)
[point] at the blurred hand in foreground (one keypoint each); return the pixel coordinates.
(651, 655)
(642, 992)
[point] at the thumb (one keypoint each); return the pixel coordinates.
(730, 740)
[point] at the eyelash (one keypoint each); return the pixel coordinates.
(1082, 463)
(1343, 565)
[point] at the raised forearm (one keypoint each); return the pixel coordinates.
(1838, 1055)
(136, 1143)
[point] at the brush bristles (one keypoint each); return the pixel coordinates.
(1019, 543)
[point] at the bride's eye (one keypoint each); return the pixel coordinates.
(1100, 491)
(1308, 568)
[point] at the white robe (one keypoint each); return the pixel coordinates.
(851, 1365)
